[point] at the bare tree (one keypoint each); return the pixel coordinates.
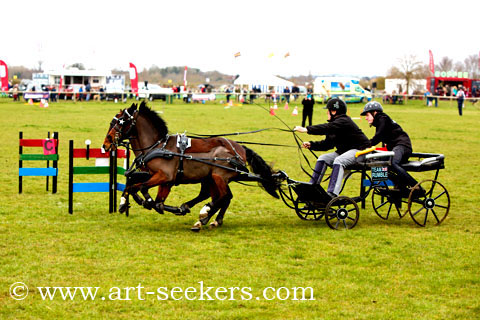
(445, 64)
(409, 68)
(471, 66)
(77, 65)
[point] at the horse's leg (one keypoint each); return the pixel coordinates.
(203, 195)
(219, 219)
(218, 191)
(148, 203)
(162, 194)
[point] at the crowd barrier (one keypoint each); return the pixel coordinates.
(50, 153)
(112, 169)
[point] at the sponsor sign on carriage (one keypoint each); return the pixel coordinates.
(379, 174)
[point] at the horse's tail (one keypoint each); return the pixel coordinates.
(261, 168)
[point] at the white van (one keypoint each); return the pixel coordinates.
(346, 88)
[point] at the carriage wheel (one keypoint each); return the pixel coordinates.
(342, 213)
(434, 205)
(384, 202)
(308, 211)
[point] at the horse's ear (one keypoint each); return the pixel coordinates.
(143, 105)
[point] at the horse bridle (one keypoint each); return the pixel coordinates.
(119, 125)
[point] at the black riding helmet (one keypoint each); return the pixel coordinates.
(371, 107)
(338, 105)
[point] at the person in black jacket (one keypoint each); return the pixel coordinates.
(307, 111)
(393, 137)
(341, 133)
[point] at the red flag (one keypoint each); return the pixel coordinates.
(4, 75)
(185, 79)
(134, 78)
(432, 65)
(60, 86)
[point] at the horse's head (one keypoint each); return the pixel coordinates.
(121, 127)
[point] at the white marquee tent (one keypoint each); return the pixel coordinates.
(263, 81)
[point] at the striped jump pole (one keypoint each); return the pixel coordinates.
(112, 186)
(50, 153)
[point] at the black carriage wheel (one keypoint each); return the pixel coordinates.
(308, 211)
(434, 205)
(383, 202)
(342, 213)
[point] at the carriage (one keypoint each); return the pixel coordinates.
(164, 161)
(311, 202)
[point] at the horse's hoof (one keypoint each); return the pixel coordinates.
(196, 227)
(123, 208)
(159, 208)
(184, 209)
(214, 224)
(149, 204)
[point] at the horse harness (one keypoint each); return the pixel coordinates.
(183, 143)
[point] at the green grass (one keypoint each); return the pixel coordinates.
(381, 269)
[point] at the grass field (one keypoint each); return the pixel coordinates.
(379, 270)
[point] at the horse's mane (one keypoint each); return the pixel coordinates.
(156, 120)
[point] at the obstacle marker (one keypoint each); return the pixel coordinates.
(286, 106)
(272, 111)
(295, 111)
(112, 186)
(50, 153)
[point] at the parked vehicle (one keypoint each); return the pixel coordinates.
(346, 88)
(153, 91)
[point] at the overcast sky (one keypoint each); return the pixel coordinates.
(322, 37)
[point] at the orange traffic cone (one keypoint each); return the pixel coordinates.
(272, 111)
(295, 111)
(30, 102)
(275, 106)
(286, 106)
(41, 105)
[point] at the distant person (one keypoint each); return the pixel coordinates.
(286, 91)
(341, 133)
(460, 98)
(307, 111)
(15, 92)
(88, 88)
(227, 91)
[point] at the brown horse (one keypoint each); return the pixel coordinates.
(164, 161)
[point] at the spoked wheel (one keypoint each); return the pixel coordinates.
(433, 204)
(308, 211)
(342, 213)
(386, 200)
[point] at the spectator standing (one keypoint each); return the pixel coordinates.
(15, 92)
(307, 111)
(286, 91)
(460, 97)
(88, 88)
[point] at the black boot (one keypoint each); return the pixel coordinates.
(317, 172)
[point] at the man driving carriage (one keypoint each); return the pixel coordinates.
(341, 133)
(394, 138)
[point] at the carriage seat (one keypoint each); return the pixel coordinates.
(425, 162)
